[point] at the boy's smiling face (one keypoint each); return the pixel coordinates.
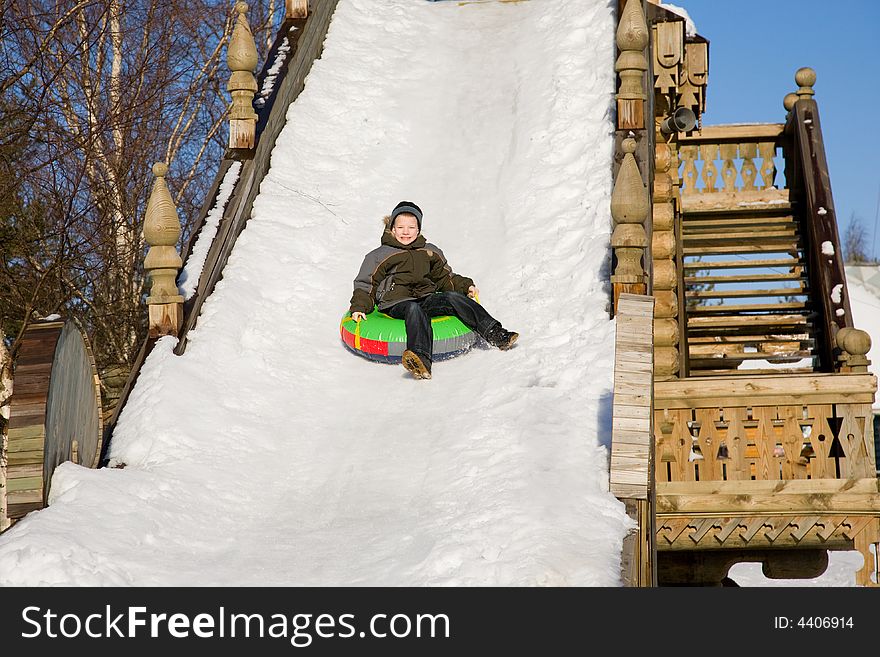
(405, 228)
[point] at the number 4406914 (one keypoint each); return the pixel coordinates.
(825, 622)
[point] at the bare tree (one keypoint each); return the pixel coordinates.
(95, 92)
(855, 242)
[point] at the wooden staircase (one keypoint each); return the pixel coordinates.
(748, 307)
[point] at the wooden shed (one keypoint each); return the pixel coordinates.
(55, 412)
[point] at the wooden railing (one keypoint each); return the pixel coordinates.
(807, 168)
(771, 428)
(747, 465)
(735, 168)
(721, 161)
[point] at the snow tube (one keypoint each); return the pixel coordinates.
(382, 338)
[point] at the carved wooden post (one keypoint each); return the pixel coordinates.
(631, 65)
(854, 345)
(162, 230)
(241, 56)
(297, 8)
(629, 209)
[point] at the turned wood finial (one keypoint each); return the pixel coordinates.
(789, 101)
(297, 8)
(632, 39)
(161, 231)
(629, 209)
(629, 199)
(241, 56)
(854, 345)
(805, 78)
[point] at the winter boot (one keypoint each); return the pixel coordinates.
(497, 336)
(413, 363)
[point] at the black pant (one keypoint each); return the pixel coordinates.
(417, 315)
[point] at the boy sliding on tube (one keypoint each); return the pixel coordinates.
(408, 278)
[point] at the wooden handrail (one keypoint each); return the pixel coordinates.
(811, 185)
(734, 132)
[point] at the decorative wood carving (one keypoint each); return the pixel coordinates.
(631, 66)
(161, 231)
(241, 56)
(629, 209)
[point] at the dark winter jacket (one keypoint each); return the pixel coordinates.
(394, 272)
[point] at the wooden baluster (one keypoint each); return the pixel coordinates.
(682, 440)
(710, 466)
(748, 151)
(856, 436)
(689, 171)
(822, 466)
(767, 151)
(737, 468)
(728, 168)
(663, 448)
(709, 153)
(792, 438)
(765, 442)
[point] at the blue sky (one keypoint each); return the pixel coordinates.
(755, 48)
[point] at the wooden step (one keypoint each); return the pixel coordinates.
(790, 246)
(691, 222)
(786, 235)
(758, 230)
(791, 356)
(764, 338)
(751, 372)
(778, 323)
(743, 278)
(733, 350)
(745, 263)
(739, 294)
(758, 202)
(748, 320)
(739, 309)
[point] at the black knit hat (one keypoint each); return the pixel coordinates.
(407, 207)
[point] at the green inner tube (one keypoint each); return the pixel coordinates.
(382, 338)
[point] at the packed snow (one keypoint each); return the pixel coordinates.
(268, 454)
(690, 26)
(192, 269)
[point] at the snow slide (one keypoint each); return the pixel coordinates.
(268, 454)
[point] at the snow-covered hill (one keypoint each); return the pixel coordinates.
(268, 454)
